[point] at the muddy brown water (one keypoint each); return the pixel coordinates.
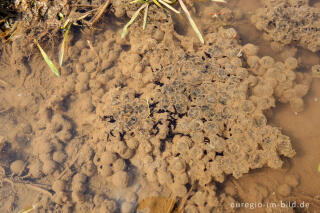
(302, 128)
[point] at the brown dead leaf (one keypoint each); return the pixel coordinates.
(158, 205)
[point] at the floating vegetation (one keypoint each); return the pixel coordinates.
(193, 25)
(101, 10)
(8, 25)
(47, 59)
(135, 15)
(145, 17)
(221, 1)
(145, 6)
(159, 3)
(64, 44)
(29, 209)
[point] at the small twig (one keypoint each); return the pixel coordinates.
(39, 189)
(5, 110)
(238, 187)
(4, 83)
(98, 15)
(91, 48)
(147, 100)
(193, 25)
(86, 14)
(8, 181)
(184, 199)
(86, 5)
(94, 52)
(31, 186)
(73, 161)
(69, 166)
(171, 206)
(73, 19)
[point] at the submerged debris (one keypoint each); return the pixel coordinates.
(47, 59)
(166, 3)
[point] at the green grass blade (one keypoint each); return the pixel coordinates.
(157, 3)
(47, 60)
(170, 2)
(65, 24)
(222, 1)
(168, 6)
(135, 1)
(145, 17)
(193, 25)
(135, 15)
(29, 209)
(63, 45)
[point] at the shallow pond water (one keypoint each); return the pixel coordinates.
(56, 126)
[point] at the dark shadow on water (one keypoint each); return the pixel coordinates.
(180, 25)
(312, 2)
